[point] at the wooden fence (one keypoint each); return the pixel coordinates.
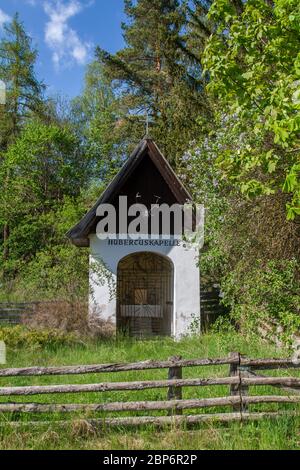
(242, 374)
(211, 307)
(14, 313)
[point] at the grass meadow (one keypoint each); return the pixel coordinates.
(282, 433)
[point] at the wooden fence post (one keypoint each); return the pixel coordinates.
(175, 393)
(234, 372)
(244, 389)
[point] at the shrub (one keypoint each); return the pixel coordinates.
(22, 336)
(70, 317)
(56, 324)
(267, 292)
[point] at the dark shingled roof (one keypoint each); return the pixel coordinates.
(79, 234)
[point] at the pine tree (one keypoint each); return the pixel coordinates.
(158, 73)
(199, 28)
(23, 93)
(23, 90)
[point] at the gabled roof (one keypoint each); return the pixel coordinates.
(79, 234)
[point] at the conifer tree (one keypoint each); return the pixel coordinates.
(23, 95)
(23, 90)
(158, 73)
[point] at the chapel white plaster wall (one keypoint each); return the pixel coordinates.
(186, 280)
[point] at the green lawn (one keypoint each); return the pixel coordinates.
(279, 434)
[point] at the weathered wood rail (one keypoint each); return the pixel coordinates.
(240, 378)
(14, 313)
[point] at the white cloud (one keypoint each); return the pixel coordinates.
(67, 47)
(4, 18)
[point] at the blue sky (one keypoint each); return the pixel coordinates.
(65, 33)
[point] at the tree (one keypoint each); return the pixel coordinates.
(199, 29)
(23, 90)
(95, 115)
(246, 168)
(46, 265)
(253, 64)
(23, 96)
(157, 73)
(45, 165)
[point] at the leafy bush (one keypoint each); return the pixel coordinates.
(56, 324)
(265, 293)
(250, 248)
(254, 74)
(21, 336)
(223, 324)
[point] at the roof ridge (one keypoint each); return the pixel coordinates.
(79, 233)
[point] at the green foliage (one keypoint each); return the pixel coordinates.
(224, 325)
(246, 167)
(46, 265)
(52, 155)
(252, 61)
(269, 292)
(21, 337)
(43, 173)
(44, 165)
(235, 142)
(199, 172)
(159, 72)
(23, 90)
(96, 115)
(23, 100)
(250, 248)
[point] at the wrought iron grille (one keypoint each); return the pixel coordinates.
(145, 295)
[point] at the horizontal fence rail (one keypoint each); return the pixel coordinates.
(103, 368)
(257, 364)
(241, 376)
(116, 386)
(161, 421)
(14, 313)
(144, 405)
